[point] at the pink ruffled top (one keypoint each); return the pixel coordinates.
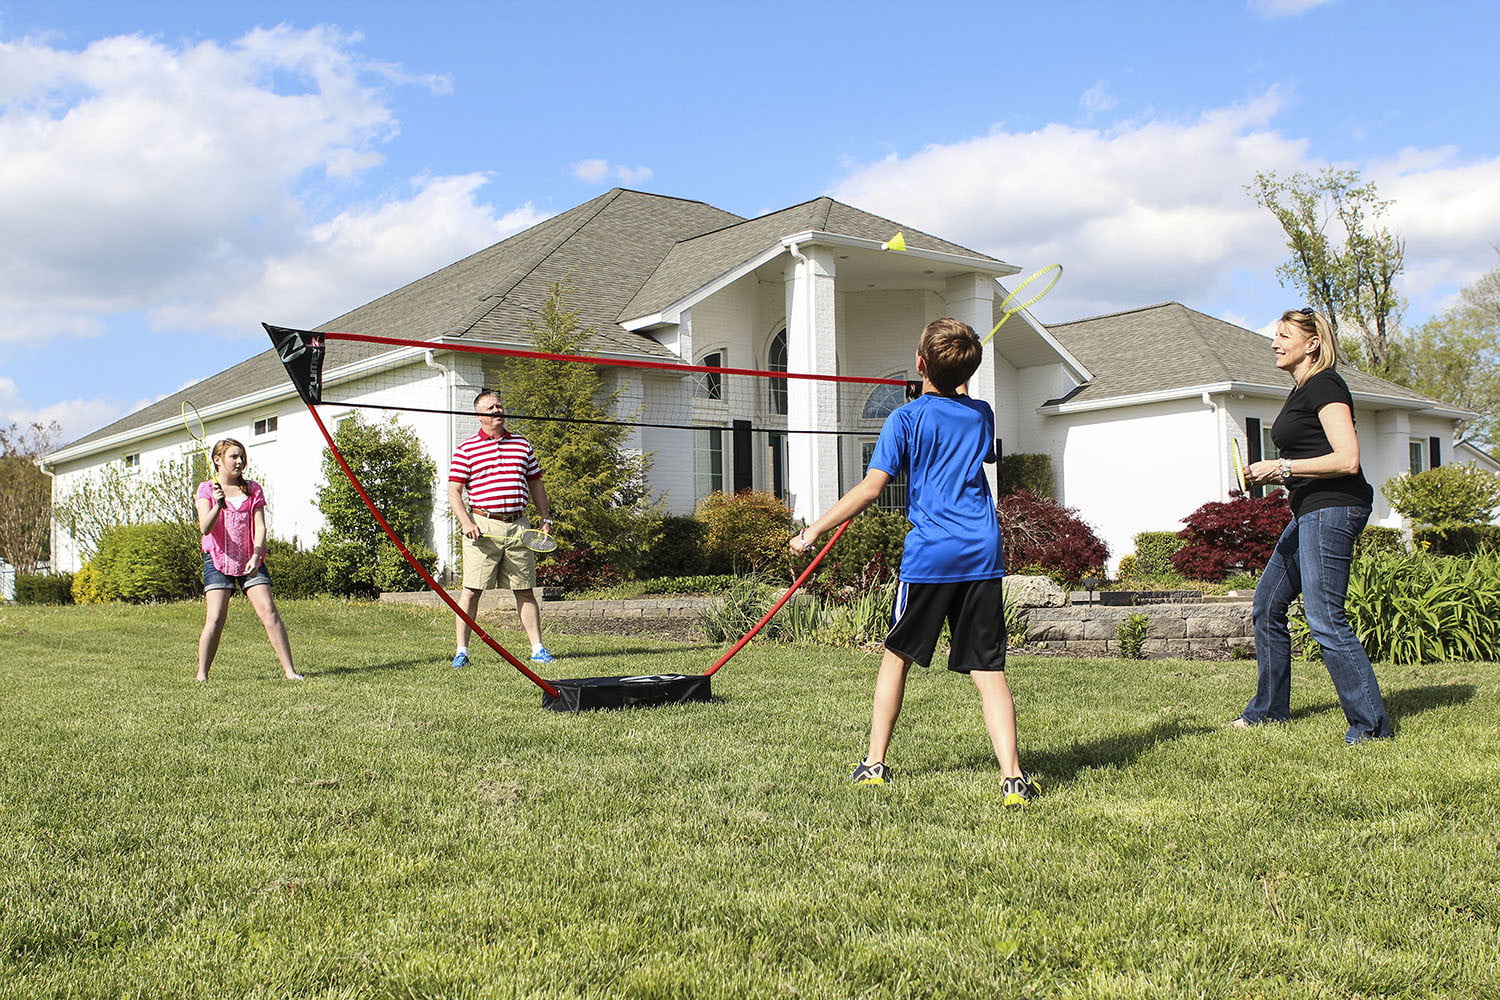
(231, 541)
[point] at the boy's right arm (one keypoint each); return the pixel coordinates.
(864, 493)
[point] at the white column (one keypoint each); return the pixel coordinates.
(971, 298)
(1387, 459)
(812, 459)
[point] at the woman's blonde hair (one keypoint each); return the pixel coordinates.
(1312, 325)
(223, 445)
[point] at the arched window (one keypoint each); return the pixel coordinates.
(882, 401)
(711, 384)
(776, 362)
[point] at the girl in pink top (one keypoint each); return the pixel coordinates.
(232, 519)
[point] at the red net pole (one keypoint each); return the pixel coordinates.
(421, 570)
(796, 585)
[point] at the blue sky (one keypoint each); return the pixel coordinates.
(173, 173)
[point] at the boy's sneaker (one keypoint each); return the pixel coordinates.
(460, 660)
(542, 656)
(1018, 791)
(871, 774)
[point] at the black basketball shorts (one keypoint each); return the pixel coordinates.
(975, 610)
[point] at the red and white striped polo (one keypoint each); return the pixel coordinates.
(495, 470)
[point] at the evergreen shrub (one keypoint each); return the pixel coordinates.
(1153, 552)
(148, 562)
(1379, 539)
(295, 572)
(747, 531)
(86, 586)
(1031, 473)
(868, 554)
(677, 548)
(44, 588)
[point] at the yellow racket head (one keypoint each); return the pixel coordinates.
(1055, 270)
(1237, 464)
(538, 541)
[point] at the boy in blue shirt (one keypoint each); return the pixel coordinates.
(952, 565)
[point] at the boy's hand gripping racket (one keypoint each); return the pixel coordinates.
(194, 425)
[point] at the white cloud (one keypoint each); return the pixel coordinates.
(1151, 211)
(186, 180)
(595, 171)
(1098, 98)
(1285, 8)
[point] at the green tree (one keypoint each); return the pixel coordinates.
(1344, 260)
(113, 496)
(25, 495)
(399, 477)
(1455, 357)
(601, 499)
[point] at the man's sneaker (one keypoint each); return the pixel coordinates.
(542, 656)
(871, 774)
(1018, 791)
(460, 660)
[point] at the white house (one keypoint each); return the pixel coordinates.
(1136, 410)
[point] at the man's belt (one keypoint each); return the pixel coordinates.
(497, 515)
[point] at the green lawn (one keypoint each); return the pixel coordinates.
(394, 828)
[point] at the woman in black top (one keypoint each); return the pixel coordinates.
(1319, 465)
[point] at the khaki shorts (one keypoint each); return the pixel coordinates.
(497, 558)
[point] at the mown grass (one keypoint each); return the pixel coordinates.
(394, 828)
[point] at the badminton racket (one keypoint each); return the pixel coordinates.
(1053, 269)
(1237, 465)
(537, 541)
(194, 424)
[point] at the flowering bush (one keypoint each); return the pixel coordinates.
(1239, 535)
(1039, 531)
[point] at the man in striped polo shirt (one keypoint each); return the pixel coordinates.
(499, 471)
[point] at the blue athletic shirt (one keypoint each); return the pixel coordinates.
(941, 442)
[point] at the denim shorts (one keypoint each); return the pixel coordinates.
(214, 580)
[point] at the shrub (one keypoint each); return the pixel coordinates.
(86, 586)
(1456, 539)
(1450, 494)
(295, 572)
(747, 531)
(1127, 569)
(1029, 472)
(44, 588)
(1238, 535)
(573, 570)
(1154, 550)
(676, 549)
(148, 562)
(869, 553)
(1040, 531)
(394, 575)
(1378, 539)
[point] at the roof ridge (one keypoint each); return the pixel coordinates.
(1110, 315)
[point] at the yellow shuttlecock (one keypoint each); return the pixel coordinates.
(897, 242)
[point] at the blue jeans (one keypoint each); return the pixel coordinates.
(1312, 558)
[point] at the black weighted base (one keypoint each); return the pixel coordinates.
(587, 694)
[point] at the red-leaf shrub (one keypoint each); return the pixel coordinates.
(1237, 536)
(1039, 531)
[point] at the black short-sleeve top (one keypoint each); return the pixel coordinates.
(1298, 433)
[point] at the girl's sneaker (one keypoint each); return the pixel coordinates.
(871, 774)
(1018, 791)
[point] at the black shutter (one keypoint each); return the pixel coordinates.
(1434, 452)
(1252, 450)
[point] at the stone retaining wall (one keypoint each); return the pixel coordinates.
(500, 601)
(1182, 631)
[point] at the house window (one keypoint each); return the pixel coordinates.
(265, 426)
(1268, 449)
(132, 462)
(893, 498)
(882, 401)
(708, 461)
(1417, 455)
(711, 384)
(776, 362)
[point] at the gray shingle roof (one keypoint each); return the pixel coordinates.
(695, 262)
(1169, 346)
